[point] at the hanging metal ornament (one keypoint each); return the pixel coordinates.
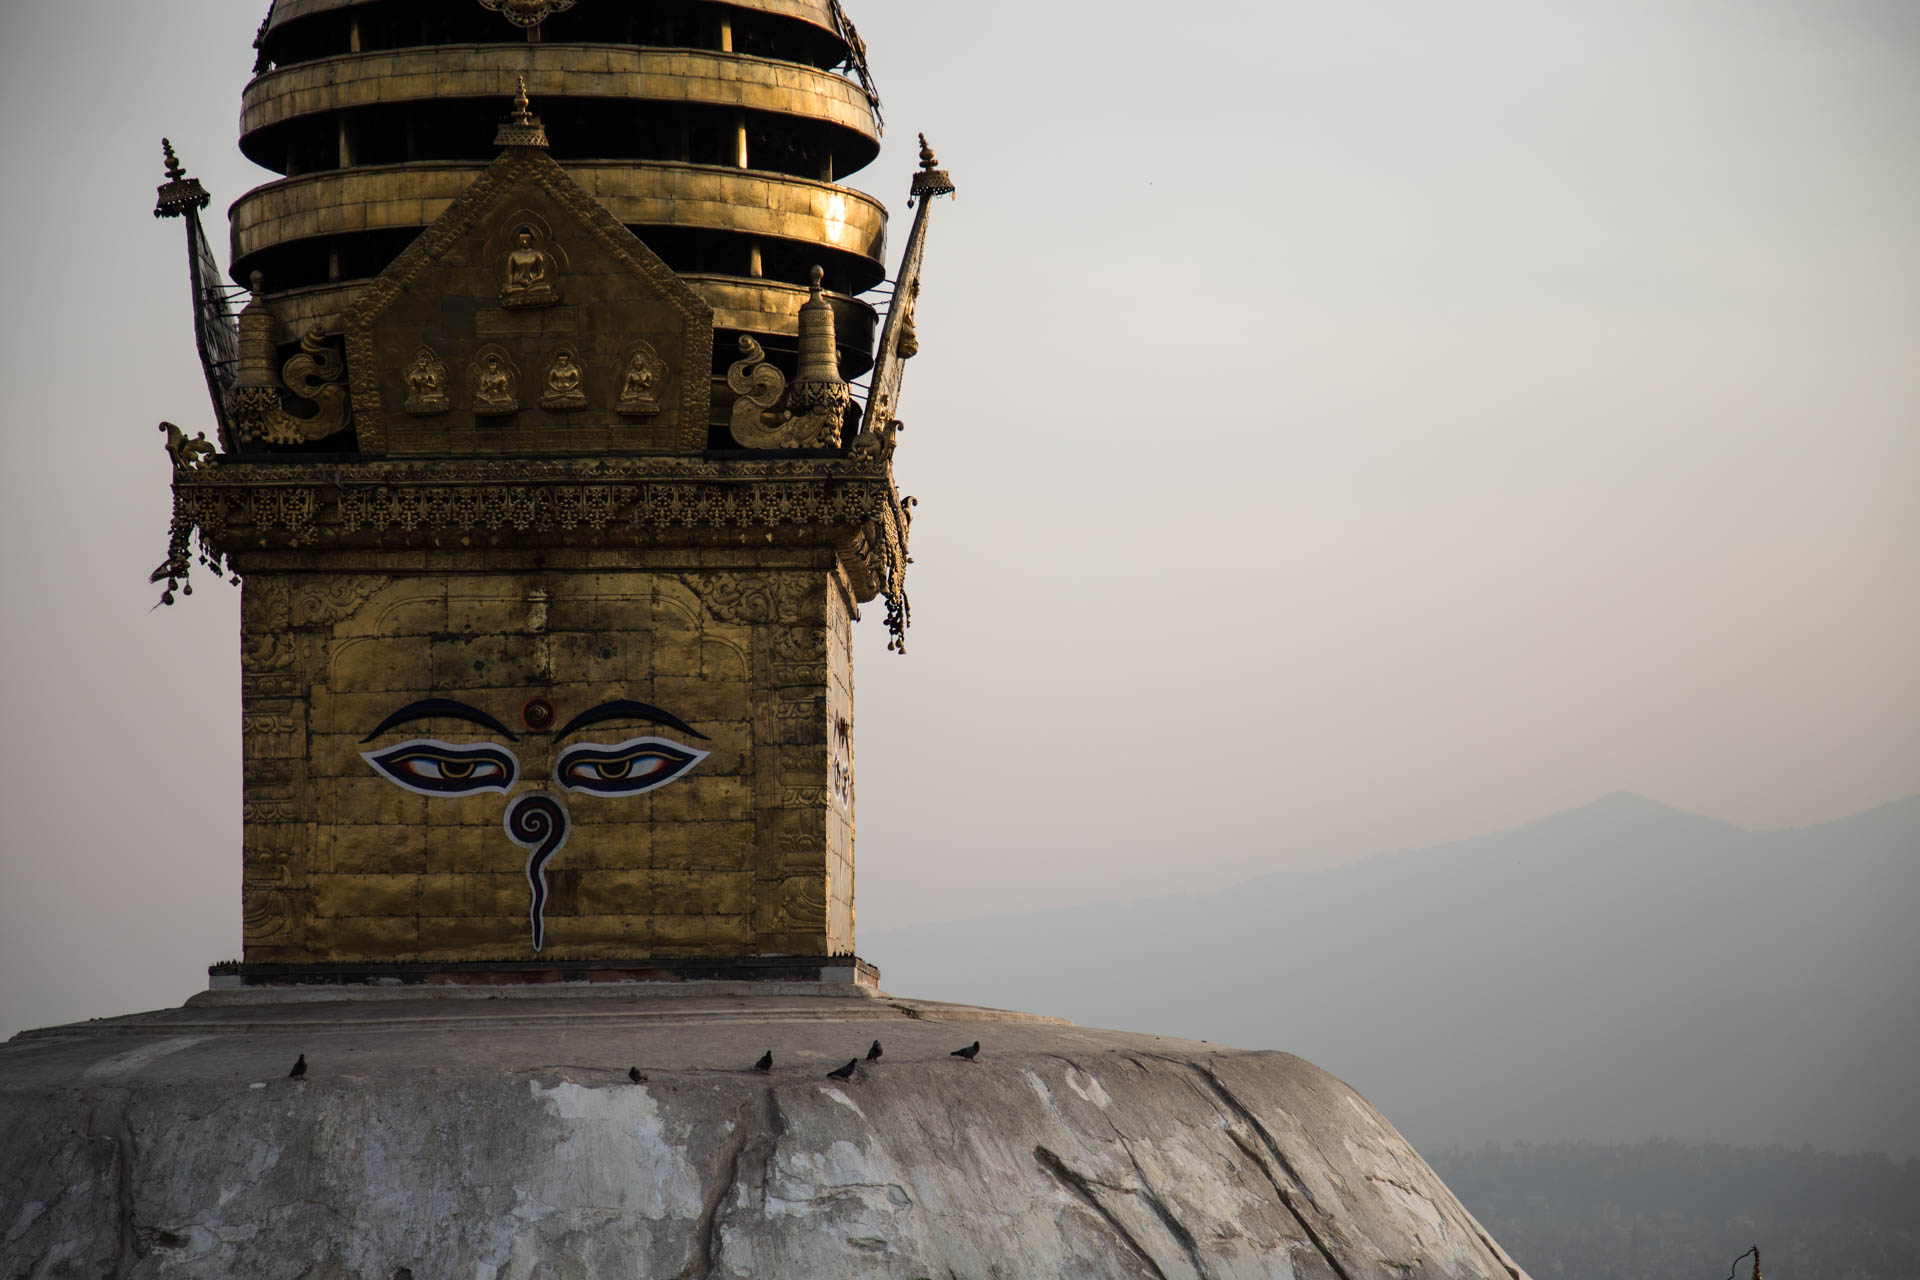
(527, 13)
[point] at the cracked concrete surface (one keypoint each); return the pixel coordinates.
(495, 1136)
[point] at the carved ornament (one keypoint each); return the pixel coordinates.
(753, 597)
(315, 376)
(527, 13)
(803, 902)
(756, 424)
(186, 456)
(274, 604)
(847, 503)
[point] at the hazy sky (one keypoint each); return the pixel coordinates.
(1339, 427)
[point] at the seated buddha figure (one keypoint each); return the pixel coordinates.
(427, 385)
(564, 379)
(493, 387)
(640, 382)
(530, 273)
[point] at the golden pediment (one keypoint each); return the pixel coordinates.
(527, 320)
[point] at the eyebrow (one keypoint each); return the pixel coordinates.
(624, 710)
(427, 708)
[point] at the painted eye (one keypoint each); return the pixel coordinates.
(444, 769)
(626, 769)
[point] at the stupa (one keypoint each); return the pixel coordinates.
(552, 451)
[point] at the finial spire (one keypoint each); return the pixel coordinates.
(931, 180)
(178, 193)
(817, 388)
(521, 128)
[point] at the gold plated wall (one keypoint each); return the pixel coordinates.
(746, 853)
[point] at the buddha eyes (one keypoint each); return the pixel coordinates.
(443, 769)
(435, 768)
(627, 769)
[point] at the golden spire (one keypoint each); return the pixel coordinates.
(521, 128)
(178, 193)
(931, 180)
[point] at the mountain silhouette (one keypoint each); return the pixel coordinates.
(1619, 972)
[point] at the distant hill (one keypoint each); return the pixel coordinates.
(1621, 972)
(1657, 1210)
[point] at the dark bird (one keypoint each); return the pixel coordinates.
(873, 1054)
(299, 1071)
(636, 1075)
(971, 1052)
(846, 1072)
(765, 1063)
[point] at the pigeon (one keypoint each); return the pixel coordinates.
(765, 1063)
(636, 1075)
(971, 1052)
(846, 1072)
(299, 1071)
(873, 1054)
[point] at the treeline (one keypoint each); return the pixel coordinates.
(1669, 1211)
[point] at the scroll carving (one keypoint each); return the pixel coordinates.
(803, 904)
(315, 375)
(275, 603)
(756, 424)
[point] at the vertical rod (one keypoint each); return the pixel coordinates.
(739, 140)
(755, 267)
(726, 35)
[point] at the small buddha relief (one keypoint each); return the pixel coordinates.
(530, 271)
(565, 389)
(495, 383)
(427, 385)
(642, 377)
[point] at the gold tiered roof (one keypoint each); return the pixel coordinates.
(717, 133)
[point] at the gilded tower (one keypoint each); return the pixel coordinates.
(554, 459)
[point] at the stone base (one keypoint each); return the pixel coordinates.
(494, 1133)
(830, 970)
